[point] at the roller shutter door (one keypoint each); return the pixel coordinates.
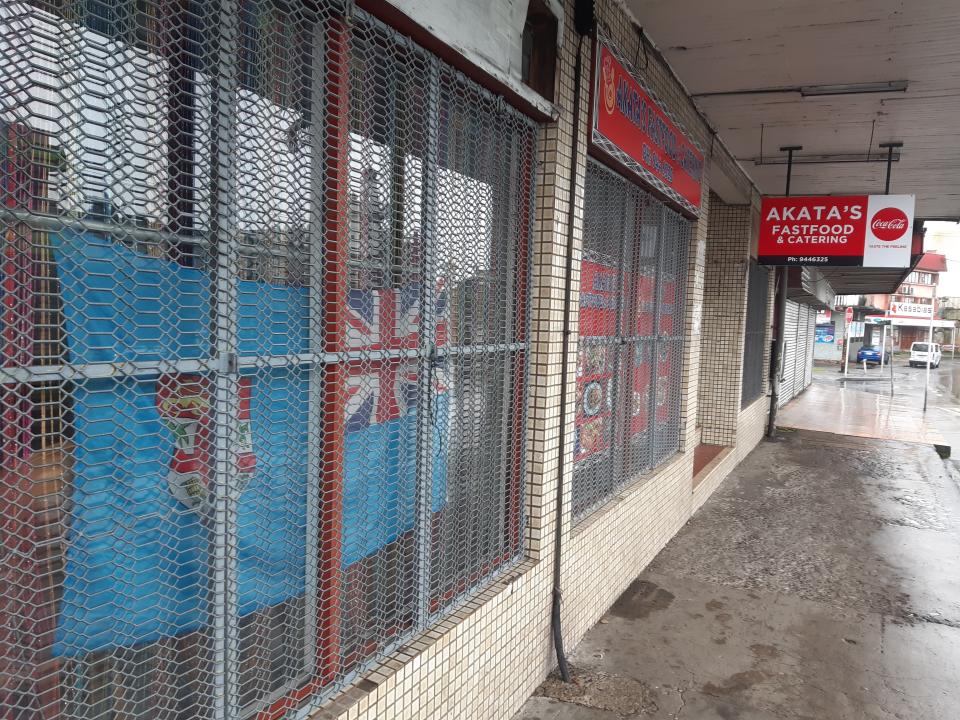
(799, 349)
(787, 390)
(804, 344)
(811, 335)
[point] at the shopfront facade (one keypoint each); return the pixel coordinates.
(312, 361)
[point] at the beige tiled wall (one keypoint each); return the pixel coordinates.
(724, 315)
(483, 662)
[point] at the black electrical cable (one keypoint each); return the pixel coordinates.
(555, 615)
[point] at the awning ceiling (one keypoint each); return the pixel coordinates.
(861, 281)
(727, 50)
(843, 281)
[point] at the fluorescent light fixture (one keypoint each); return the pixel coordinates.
(888, 86)
(828, 159)
(854, 88)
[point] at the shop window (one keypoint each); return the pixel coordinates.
(631, 337)
(754, 334)
(268, 384)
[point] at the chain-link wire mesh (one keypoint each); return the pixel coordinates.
(265, 283)
(632, 284)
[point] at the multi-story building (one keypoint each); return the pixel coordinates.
(909, 307)
(919, 287)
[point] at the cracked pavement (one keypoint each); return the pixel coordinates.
(820, 582)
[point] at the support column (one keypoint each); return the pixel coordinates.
(724, 315)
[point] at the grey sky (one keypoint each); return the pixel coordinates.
(944, 238)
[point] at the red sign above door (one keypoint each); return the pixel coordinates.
(632, 128)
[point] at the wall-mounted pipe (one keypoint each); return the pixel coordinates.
(584, 25)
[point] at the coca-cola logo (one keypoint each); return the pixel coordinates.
(889, 224)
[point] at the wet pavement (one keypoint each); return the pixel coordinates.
(820, 582)
(866, 408)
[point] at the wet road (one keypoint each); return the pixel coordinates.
(820, 582)
(867, 409)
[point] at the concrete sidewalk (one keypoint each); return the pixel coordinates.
(868, 409)
(822, 582)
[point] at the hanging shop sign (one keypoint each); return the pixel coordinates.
(631, 127)
(850, 230)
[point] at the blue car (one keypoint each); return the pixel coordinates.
(871, 353)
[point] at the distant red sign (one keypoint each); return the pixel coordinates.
(849, 230)
(848, 315)
(630, 125)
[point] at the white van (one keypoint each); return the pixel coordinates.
(919, 355)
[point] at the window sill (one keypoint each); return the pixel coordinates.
(626, 492)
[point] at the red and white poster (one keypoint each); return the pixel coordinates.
(631, 127)
(847, 230)
(599, 299)
(594, 398)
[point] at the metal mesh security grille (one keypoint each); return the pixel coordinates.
(754, 335)
(265, 292)
(632, 284)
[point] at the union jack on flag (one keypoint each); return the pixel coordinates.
(385, 389)
(363, 319)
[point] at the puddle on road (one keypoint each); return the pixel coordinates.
(640, 600)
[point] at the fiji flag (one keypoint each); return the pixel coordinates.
(408, 314)
(136, 559)
(380, 392)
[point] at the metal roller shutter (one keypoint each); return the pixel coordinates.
(796, 352)
(811, 332)
(789, 353)
(803, 347)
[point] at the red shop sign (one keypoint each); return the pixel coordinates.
(851, 230)
(630, 126)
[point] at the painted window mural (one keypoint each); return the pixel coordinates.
(631, 329)
(265, 292)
